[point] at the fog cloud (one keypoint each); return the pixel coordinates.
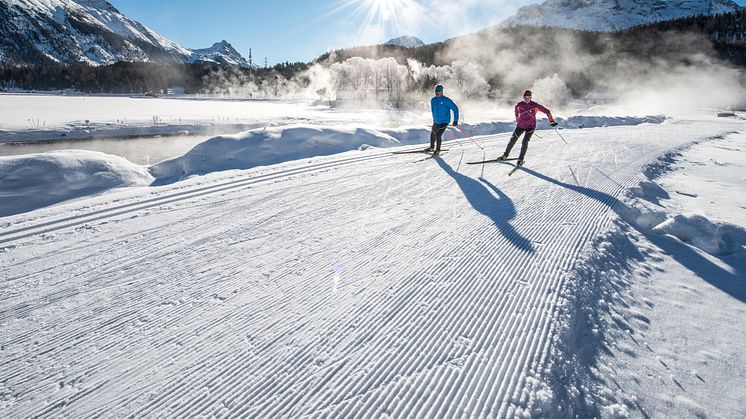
(647, 73)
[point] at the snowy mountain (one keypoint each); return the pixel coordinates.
(91, 32)
(221, 53)
(81, 31)
(610, 15)
(406, 41)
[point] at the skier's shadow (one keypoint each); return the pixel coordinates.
(492, 202)
(728, 282)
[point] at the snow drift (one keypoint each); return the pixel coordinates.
(37, 180)
(712, 237)
(267, 146)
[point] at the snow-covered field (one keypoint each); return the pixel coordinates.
(44, 117)
(606, 278)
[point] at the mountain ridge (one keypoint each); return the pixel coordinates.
(407, 41)
(613, 15)
(93, 32)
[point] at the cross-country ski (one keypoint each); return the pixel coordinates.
(491, 161)
(427, 151)
(515, 169)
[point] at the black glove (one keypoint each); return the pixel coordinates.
(455, 123)
(553, 124)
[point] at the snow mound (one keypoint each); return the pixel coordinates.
(584, 121)
(37, 180)
(273, 145)
(263, 147)
(697, 230)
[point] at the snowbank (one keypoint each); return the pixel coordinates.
(699, 230)
(37, 180)
(712, 237)
(646, 316)
(272, 145)
(416, 135)
(581, 121)
(269, 146)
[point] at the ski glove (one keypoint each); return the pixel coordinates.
(553, 124)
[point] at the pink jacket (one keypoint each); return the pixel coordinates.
(525, 114)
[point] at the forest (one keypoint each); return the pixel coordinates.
(490, 63)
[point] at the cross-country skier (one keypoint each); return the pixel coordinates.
(525, 118)
(441, 107)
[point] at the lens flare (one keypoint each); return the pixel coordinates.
(338, 269)
(380, 18)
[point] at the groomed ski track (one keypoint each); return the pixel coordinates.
(356, 285)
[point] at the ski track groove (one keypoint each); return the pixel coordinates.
(456, 337)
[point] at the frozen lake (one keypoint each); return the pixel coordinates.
(141, 150)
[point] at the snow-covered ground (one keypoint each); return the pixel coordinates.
(41, 117)
(38, 180)
(27, 117)
(674, 314)
(598, 280)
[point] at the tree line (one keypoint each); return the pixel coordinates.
(494, 51)
(130, 78)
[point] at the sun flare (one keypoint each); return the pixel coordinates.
(383, 17)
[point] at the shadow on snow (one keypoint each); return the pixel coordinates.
(492, 202)
(730, 283)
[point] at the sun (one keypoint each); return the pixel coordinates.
(393, 17)
(385, 9)
(392, 11)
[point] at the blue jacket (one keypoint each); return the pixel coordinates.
(442, 107)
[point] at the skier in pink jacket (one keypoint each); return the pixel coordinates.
(525, 118)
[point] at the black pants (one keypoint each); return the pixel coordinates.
(436, 135)
(526, 138)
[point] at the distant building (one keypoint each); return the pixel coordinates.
(600, 98)
(176, 91)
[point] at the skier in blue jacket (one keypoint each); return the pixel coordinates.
(441, 107)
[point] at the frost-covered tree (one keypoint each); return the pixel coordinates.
(468, 81)
(551, 91)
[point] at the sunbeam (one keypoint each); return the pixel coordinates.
(380, 17)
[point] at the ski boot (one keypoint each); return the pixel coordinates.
(427, 150)
(502, 158)
(519, 163)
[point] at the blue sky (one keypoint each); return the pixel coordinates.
(300, 30)
(290, 30)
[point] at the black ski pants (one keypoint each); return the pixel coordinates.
(526, 138)
(436, 135)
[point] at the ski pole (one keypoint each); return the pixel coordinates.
(454, 139)
(560, 135)
(570, 123)
(469, 137)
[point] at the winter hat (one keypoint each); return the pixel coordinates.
(439, 88)
(527, 93)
